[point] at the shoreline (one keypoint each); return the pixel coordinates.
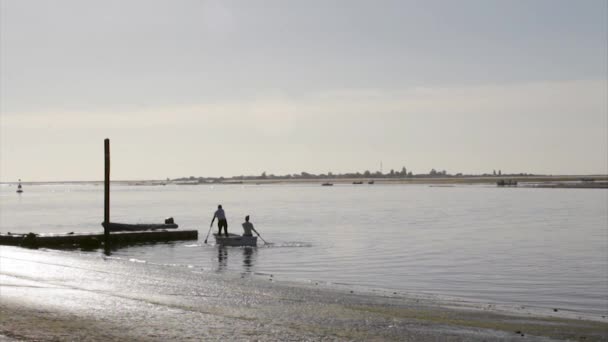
(422, 180)
(49, 296)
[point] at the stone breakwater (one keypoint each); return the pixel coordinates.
(94, 240)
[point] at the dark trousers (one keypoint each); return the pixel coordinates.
(222, 224)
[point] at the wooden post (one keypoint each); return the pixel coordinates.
(106, 202)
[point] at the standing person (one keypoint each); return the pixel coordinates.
(248, 227)
(221, 220)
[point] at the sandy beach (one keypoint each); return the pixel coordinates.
(53, 295)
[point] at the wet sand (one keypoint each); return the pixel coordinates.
(51, 295)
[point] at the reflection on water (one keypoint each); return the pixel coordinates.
(248, 261)
(248, 258)
(222, 258)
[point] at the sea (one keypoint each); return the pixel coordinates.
(525, 247)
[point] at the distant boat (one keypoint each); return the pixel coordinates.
(327, 184)
(370, 182)
(508, 182)
(357, 182)
(19, 188)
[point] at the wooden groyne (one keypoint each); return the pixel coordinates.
(122, 234)
(94, 240)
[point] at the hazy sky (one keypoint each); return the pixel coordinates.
(210, 88)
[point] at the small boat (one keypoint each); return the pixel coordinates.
(125, 227)
(327, 184)
(370, 182)
(235, 240)
(508, 182)
(19, 188)
(357, 182)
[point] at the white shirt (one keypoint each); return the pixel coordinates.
(220, 214)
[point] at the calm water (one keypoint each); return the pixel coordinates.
(545, 248)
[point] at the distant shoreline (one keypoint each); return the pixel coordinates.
(526, 181)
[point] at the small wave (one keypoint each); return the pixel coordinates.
(137, 260)
(108, 257)
(288, 244)
(171, 265)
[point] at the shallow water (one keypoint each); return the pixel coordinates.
(544, 248)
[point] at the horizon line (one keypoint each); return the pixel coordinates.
(317, 177)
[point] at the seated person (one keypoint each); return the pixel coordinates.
(248, 227)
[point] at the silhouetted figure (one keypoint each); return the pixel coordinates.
(248, 227)
(221, 220)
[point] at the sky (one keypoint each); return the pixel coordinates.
(228, 88)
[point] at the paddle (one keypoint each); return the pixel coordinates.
(210, 226)
(261, 237)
